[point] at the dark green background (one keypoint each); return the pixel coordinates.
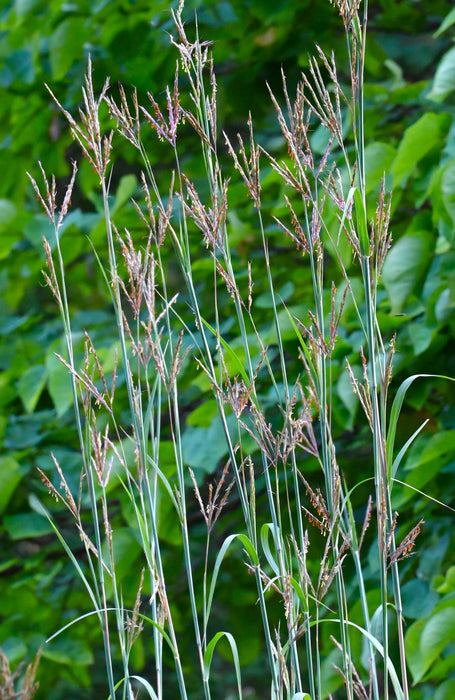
(410, 134)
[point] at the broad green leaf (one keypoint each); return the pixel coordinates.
(69, 651)
(26, 525)
(405, 266)
(418, 599)
(448, 585)
(346, 393)
(59, 384)
(448, 187)
(14, 648)
(26, 431)
(444, 79)
(126, 551)
(266, 299)
(436, 634)
(8, 212)
(37, 228)
(428, 637)
(125, 190)
(203, 415)
(446, 690)
(169, 522)
(232, 356)
(431, 448)
(420, 336)
(413, 653)
(432, 556)
(66, 45)
(8, 236)
(286, 324)
(447, 22)
(26, 7)
(331, 680)
(203, 448)
(30, 386)
(10, 476)
(378, 159)
(425, 135)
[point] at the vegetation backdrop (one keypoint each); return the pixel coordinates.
(410, 135)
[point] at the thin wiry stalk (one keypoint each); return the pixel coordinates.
(205, 124)
(158, 338)
(58, 287)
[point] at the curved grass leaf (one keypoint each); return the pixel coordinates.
(209, 653)
(378, 646)
(265, 530)
(362, 228)
(395, 414)
(221, 554)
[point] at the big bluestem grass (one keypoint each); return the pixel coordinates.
(11, 684)
(156, 340)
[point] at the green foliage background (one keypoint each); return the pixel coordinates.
(410, 132)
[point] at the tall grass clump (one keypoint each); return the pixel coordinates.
(283, 472)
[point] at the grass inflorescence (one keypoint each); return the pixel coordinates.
(280, 513)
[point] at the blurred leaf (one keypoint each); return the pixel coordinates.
(444, 80)
(26, 431)
(446, 690)
(378, 159)
(68, 651)
(14, 648)
(31, 385)
(203, 448)
(421, 337)
(413, 653)
(427, 638)
(25, 7)
(448, 188)
(431, 557)
(8, 235)
(125, 189)
(448, 585)
(7, 212)
(10, 476)
(66, 45)
(429, 448)
(422, 137)
(346, 392)
(17, 66)
(447, 22)
(401, 279)
(418, 599)
(204, 414)
(169, 524)
(126, 552)
(59, 384)
(26, 525)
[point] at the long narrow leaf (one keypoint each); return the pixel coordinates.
(222, 553)
(209, 653)
(395, 414)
